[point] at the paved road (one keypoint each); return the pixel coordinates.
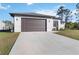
(45, 43)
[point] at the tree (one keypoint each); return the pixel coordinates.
(60, 12)
(77, 13)
(67, 13)
(63, 13)
(77, 5)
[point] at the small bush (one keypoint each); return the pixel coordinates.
(61, 29)
(71, 25)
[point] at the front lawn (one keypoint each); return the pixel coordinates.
(70, 33)
(7, 40)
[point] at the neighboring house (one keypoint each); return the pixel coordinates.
(2, 25)
(27, 22)
(8, 25)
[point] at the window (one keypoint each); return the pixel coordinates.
(55, 23)
(62, 22)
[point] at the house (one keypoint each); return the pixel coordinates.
(8, 25)
(2, 25)
(27, 22)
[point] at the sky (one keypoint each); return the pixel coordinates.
(43, 8)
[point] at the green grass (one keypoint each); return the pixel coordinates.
(7, 41)
(70, 33)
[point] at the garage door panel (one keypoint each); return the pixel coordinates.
(32, 24)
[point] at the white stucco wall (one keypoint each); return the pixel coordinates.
(17, 24)
(2, 25)
(49, 24)
(61, 26)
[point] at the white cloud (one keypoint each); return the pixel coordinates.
(8, 6)
(47, 12)
(4, 7)
(73, 15)
(29, 3)
(73, 11)
(50, 12)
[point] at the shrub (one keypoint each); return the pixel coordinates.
(61, 29)
(71, 25)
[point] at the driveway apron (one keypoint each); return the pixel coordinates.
(44, 43)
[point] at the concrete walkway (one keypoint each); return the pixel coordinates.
(45, 43)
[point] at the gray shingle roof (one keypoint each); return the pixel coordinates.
(32, 14)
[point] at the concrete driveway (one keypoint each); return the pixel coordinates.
(45, 43)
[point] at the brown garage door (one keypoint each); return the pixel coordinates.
(29, 24)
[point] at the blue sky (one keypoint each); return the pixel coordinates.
(45, 8)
